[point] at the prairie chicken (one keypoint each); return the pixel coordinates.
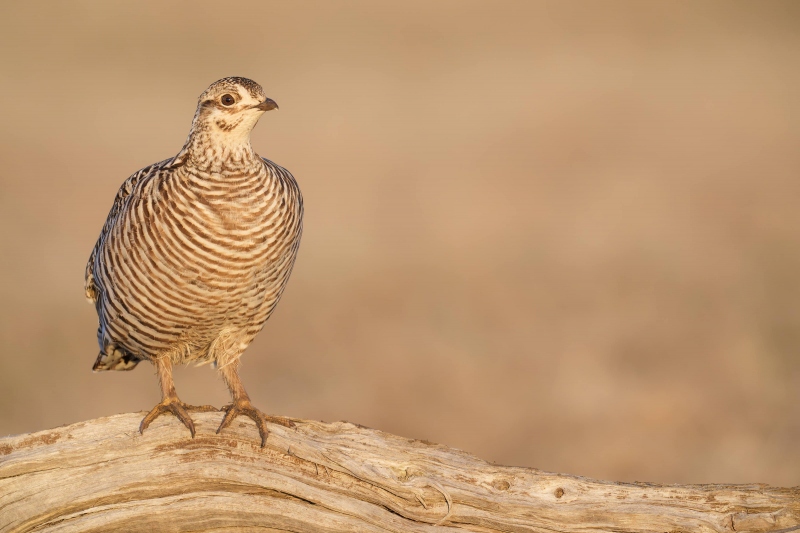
(196, 252)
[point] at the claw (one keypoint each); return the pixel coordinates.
(172, 405)
(244, 407)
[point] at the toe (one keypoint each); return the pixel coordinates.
(200, 408)
(154, 413)
(245, 408)
(258, 418)
(171, 406)
(181, 414)
(263, 432)
(230, 414)
(285, 422)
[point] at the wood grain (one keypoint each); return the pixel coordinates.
(101, 475)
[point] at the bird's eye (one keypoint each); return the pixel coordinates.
(227, 100)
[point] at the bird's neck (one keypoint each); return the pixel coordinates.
(212, 151)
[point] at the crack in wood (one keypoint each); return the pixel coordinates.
(339, 477)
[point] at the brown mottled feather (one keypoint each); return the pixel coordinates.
(197, 249)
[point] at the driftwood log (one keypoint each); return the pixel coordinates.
(101, 475)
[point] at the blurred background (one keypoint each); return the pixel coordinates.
(554, 234)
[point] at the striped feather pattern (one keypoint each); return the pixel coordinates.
(197, 249)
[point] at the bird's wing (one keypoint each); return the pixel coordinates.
(285, 176)
(125, 191)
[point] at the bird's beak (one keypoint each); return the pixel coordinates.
(266, 105)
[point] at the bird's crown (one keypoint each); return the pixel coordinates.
(233, 84)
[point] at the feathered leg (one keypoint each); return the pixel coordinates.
(241, 404)
(170, 403)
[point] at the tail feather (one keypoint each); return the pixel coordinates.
(114, 358)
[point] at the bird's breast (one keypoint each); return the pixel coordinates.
(225, 237)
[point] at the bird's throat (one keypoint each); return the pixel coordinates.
(212, 151)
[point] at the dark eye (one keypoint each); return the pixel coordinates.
(227, 100)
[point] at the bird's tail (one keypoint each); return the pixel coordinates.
(113, 357)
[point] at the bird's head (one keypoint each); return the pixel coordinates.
(229, 109)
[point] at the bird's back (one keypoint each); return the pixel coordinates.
(190, 263)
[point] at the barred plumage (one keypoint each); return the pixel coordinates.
(196, 252)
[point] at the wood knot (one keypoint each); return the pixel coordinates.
(501, 484)
(559, 492)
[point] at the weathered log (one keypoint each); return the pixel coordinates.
(101, 475)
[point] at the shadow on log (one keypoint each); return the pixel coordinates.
(101, 475)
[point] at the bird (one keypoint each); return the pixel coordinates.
(195, 254)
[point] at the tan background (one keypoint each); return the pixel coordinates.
(562, 235)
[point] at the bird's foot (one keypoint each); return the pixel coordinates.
(244, 407)
(173, 405)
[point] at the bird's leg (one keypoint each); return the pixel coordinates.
(241, 404)
(170, 403)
